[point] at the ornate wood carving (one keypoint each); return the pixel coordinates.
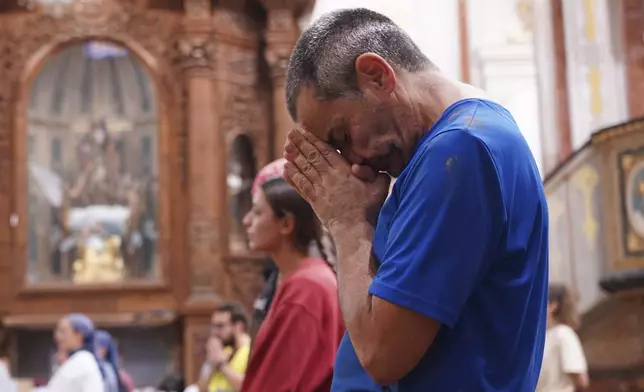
(242, 113)
(611, 334)
(195, 337)
(197, 9)
(219, 47)
(246, 279)
(297, 6)
(281, 36)
(198, 59)
(234, 27)
(196, 52)
(632, 22)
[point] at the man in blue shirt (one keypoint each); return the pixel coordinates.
(443, 287)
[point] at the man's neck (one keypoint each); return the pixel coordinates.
(241, 340)
(431, 93)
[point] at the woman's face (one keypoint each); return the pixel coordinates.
(265, 231)
(101, 352)
(67, 339)
(552, 308)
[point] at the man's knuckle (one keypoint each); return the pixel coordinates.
(313, 156)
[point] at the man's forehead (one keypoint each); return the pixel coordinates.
(220, 315)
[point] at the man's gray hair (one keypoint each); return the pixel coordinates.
(324, 56)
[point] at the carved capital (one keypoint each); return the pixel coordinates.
(277, 58)
(234, 5)
(196, 52)
(296, 6)
(197, 9)
(282, 21)
(231, 23)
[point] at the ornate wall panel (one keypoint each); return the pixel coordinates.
(619, 150)
(586, 231)
(559, 240)
(602, 185)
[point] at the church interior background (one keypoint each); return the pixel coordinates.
(131, 131)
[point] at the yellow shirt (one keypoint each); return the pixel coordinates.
(238, 363)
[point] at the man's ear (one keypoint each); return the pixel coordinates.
(374, 75)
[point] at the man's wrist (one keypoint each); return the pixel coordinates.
(351, 240)
(215, 365)
(357, 229)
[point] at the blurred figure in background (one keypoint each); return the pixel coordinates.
(173, 382)
(108, 356)
(227, 349)
(80, 372)
(564, 366)
(6, 382)
(295, 347)
(126, 378)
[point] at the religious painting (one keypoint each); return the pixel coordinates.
(241, 174)
(92, 167)
(631, 166)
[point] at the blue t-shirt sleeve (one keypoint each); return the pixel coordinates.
(447, 226)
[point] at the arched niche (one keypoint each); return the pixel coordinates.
(92, 168)
(242, 168)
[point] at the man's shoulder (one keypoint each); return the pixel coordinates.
(449, 148)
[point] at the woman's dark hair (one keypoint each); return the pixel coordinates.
(566, 312)
(284, 200)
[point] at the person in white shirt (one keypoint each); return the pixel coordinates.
(80, 372)
(7, 384)
(564, 367)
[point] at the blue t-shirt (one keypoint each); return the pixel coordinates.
(463, 239)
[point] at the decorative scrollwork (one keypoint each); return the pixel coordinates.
(277, 57)
(196, 52)
(197, 9)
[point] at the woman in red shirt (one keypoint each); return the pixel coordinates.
(296, 344)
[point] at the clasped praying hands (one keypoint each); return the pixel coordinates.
(331, 184)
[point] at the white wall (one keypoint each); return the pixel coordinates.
(432, 24)
(595, 65)
(545, 62)
(502, 60)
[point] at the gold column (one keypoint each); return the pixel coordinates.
(206, 171)
(282, 33)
